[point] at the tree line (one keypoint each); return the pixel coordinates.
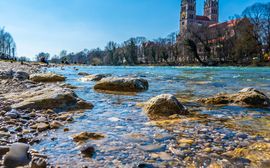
(7, 45)
(134, 51)
(249, 43)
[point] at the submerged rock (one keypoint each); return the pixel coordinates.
(50, 97)
(84, 136)
(122, 84)
(47, 77)
(246, 97)
(87, 150)
(83, 74)
(17, 156)
(153, 148)
(164, 105)
(95, 77)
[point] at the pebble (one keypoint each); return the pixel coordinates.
(13, 114)
(87, 150)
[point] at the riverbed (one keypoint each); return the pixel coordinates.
(132, 140)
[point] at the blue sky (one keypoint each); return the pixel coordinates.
(53, 25)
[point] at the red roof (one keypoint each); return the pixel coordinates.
(203, 18)
(229, 23)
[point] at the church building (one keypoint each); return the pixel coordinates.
(189, 17)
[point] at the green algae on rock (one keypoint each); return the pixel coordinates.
(249, 97)
(122, 84)
(256, 153)
(47, 77)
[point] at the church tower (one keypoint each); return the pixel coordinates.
(188, 15)
(211, 10)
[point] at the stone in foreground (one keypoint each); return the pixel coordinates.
(49, 97)
(164, 105)
(17, 156)
(122, 84)
(47, 77)
(249, 97)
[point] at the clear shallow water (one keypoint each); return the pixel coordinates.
(118, 117)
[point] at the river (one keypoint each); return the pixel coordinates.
(133, 140)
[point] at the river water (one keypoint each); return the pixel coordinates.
(132, 140)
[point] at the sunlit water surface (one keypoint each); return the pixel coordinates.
(118, 117)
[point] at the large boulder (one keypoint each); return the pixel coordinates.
(122, 84)
(48, 97)
(164, 105)
(249, 97)
(17, 156)
(47, 77)
(95, 77)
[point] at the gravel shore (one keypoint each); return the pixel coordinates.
(29, 107)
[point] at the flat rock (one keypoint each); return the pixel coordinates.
(49, 97)
(17, 156)
(47, 77)
(164, 105)
(153, 148)
(122, 84)
(249, 97)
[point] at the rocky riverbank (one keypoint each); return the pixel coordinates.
(136, 122)
(32, 102)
